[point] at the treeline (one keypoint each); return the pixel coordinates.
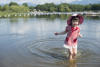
(14, 7)
(64, 7)
(49, 7)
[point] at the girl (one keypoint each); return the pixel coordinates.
(73, 32)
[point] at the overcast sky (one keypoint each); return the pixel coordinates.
(39, 1)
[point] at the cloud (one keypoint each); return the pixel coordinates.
(38, 1)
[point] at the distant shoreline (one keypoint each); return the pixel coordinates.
(67, 13)
(48, 13)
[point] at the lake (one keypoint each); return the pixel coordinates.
(30, 42)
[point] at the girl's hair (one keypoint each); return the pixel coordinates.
(74, 19)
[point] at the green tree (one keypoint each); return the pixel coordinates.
(87, 7)
(76, 7)
(52, 9)
(68, 9)
(47, 7)
(0, 8)
(39, 7)
(31, 8)
(95, 7)
(25, 4)
(64, 7)
(5, 8)
(13, 3)
(19, 8)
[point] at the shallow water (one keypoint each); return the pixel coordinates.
(30, 42)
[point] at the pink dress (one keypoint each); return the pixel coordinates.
(72, 35)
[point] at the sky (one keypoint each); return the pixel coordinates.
(44, 1)
(39, 1)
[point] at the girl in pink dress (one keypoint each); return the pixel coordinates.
(73, 32)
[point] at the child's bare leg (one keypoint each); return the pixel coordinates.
(74, 53)
(70, 54)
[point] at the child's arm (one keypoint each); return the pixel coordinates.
(80, 35)
(60, 33)
(63, 32)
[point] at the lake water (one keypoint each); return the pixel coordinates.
(30, 42)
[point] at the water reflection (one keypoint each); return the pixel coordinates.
(93, 17)
(91, 28)
(72, 63)
(53, 17)
(14, 20)
(46, 49)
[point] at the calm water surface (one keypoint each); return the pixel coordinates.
(30, 42)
